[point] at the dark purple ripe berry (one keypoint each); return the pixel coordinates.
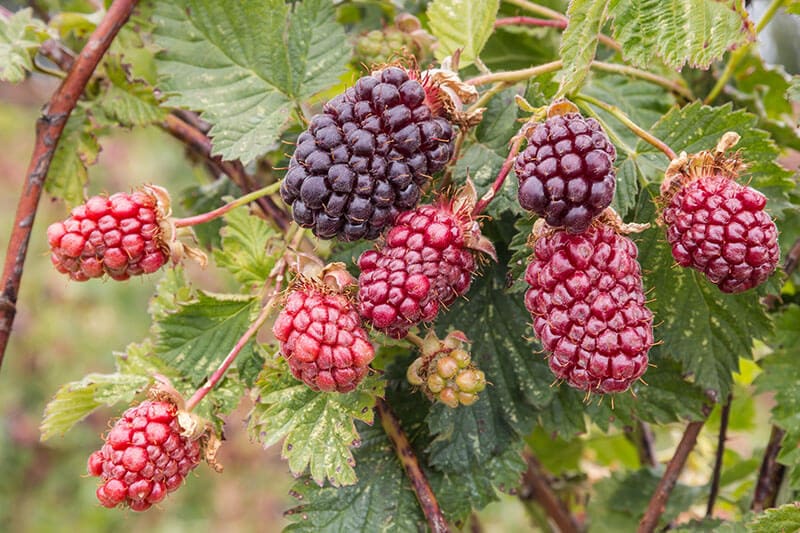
(566, 173)
(364, 159)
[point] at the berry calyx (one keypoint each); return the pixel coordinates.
(120, 236)
(365, 158)
(321, 337)
(588, 306)
(716, 225)
(425, 262)
(445, 372)
(566, 173)
(145, 456)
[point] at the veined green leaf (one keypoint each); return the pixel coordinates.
(462, 24)
(318, 427)
(247, 247)
(77, 149)
(579, 42)
(125, 100)
(783, 518)
(245, 64)
(20, 37)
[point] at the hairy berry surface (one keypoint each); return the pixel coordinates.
(118, 236)
(566, 173)
(365, 158)
(144, 457)
(588, 308)
(321, 338)
(719, 227)
(423, 264)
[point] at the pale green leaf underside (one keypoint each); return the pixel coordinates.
(74, 401)
(244, 253)
(579, 42)
(464, 24)
(318, 427)
(20, 37)
(244, 64)
(697, 32)
(196, 338)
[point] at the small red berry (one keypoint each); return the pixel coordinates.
(588, 308)
(117, 235)
(321, 338)
(144, 457)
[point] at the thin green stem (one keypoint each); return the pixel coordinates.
(414, 339)
(740, 53)
(488, 94)
(625, 70)
(631, 125)
(216, 213)
(513, 76)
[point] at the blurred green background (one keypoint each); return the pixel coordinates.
(65, 330)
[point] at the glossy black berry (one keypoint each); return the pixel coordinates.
(364, 159)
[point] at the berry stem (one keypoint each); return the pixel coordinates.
(548, 13)
(677, 87)
(501, 177)
(49, 128)
(535, 486)
(405, 453)
(219, 373)
(216, 213)
(770, 474)
(414, 339)
(740, 53)
(715, 477)
(658, 502)
(631, 125)
(530, 21)
(516, 75)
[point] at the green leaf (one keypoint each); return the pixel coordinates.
(126, 100)
(245, 64)
(318, 427)
(697, 127)
(486, 151)
(793, 92)
(197, 337)
(461, 24)
(784, 518)
(77, 149)
(382, 500)
(697, 32)
(579, 42)
(20, 37)
(703, 328)
(76, 400)
(248, 251)
(619, 501)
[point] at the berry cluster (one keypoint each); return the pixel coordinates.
(365, 158)
(588, 308)
(567, 172)
(322, 339)
(144, 457)
(118, 235)
(445, 371)
(426, 262)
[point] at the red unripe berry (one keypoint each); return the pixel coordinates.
(118, 236)
(588, 308)
(144, 457)
(322, 339)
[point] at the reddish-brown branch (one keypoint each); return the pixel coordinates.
(501, 177)
(535, 486)
(770, 474)
(422, 488)
(717, 473)
(48, 131)
(658, 502)
(201, 144)
(530, 21)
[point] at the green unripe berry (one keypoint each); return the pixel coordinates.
(461, 357)
(471, 381)
(447, 367)
(449, 397)
(436, 383)
(467, 398)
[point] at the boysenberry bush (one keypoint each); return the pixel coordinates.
(455, 252)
